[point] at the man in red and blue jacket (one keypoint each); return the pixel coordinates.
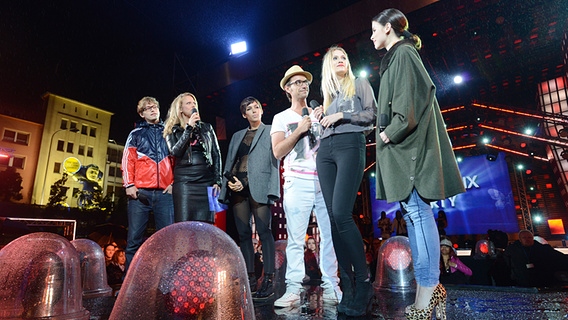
(147, 175)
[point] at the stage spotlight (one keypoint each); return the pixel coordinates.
(523, 145)
(458, 79)
(537, 218)
(394, 270)
(363, 74)
(491, 156)
(563, 132)
(529, 131)
(459, 159)
(564, 154)
(238, 48)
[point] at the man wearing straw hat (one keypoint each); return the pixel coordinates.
(295, 141)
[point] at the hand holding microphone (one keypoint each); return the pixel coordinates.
(318, 109)
(194, 120)
(306, 115)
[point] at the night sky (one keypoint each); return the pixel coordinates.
(109, 54)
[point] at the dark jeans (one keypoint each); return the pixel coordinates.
(243, 207)
(340, 164)
(149, 200)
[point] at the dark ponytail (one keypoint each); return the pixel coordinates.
(399, 24)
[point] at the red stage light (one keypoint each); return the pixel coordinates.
(191, 286)
(398, 256)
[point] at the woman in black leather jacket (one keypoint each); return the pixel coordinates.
(194, 145)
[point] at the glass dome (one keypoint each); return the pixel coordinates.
(93, 269)
(188, 270)
(394, 267)
(484, 249)
(40, 275)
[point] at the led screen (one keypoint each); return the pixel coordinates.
(487, 203)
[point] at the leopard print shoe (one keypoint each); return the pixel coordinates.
(438, 302)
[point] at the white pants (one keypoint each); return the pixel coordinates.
(301, 196)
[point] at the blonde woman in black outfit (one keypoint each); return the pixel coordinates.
(347, 114)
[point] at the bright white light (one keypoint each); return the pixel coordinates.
(458, 79)
(485, 140)
(459, 159)
(363, 74)
(537, 218)
(528, 131)
(238, 47)
(372, 174)
(520, 167)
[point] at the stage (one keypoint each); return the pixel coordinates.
(464, 302)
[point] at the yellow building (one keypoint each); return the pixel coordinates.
(75, 141)
(19, 149)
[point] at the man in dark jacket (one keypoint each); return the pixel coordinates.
(533, 264)
(147, 174)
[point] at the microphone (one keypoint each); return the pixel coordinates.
(383, 121)
(314, 104)
(229, 176)
(311, 135)
(198, 122)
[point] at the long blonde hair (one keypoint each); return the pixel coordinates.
(174, 114)
(331, 85)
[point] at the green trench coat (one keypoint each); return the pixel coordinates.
(419, 154)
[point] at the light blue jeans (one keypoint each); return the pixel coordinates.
(301, 196)
(424, 239)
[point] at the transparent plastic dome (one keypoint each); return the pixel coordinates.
(40, 278)
(188, 270)
(394, 266)
(484, 249)
(93, 269)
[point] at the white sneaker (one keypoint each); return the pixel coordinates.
(329, 297)
(289, 299)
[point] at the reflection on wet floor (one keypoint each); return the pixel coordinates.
(464, 302)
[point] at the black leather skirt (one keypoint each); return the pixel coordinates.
(191, 202)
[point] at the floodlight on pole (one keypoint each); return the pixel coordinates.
(115, 168)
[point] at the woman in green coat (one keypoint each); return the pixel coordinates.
(415, 161)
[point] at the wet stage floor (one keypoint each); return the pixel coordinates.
(464, 303)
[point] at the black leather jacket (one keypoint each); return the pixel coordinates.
(180, 146)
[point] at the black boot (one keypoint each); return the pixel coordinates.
(253, 282)
(346, 285)
(266, 289)
(363, 294)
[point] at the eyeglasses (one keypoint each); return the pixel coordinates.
(299, 83)
(150, 108)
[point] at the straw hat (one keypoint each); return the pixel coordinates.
(294, 70)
